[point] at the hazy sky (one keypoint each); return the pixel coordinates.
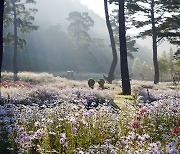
(96, 5)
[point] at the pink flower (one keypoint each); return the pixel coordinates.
(136, 124)
(142, 111)
(176, 130)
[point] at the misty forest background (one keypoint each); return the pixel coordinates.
(51, 48)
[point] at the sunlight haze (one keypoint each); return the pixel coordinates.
(96, 5)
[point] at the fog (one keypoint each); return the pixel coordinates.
(52, 12)
(49, 48)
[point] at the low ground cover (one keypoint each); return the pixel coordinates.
(56, 115)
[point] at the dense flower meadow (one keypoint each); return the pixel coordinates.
(41, 119)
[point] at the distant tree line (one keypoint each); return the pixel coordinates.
(53, 49)
(169, 67)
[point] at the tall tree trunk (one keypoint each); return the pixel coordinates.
(154, 39)
(15, 43)
(1, 38)
(126, 87)
(113, 45)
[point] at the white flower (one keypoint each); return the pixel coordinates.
(63, 135)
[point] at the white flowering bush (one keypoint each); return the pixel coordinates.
(30, 77)
(47, 119)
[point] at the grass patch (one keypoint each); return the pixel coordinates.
(121, 100)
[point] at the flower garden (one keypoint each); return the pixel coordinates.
(42, 114)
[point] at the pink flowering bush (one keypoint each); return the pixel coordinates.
(136, 124)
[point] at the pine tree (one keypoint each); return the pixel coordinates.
(153, 14)
(113, 45)
(126, 86)
(170, 26)
(171, 29)
(1, 38)
(130, 41)
(80, 23)
(18, 15)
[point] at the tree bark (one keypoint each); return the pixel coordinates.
(154, 39)
(1, 38)
(113, 45)
(126, 87)
(15, 78)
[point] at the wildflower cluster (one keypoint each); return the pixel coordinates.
(80, 120)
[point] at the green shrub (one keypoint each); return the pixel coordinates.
(101, 83)
(91, 83)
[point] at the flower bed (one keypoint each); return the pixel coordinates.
(51, 120)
